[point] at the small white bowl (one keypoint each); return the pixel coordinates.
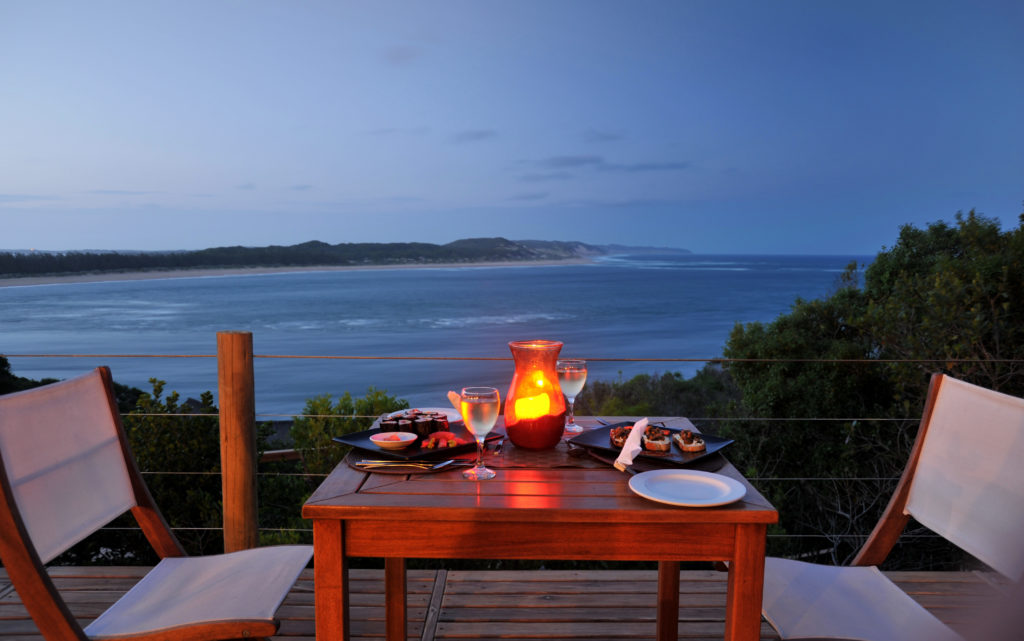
(393, 440)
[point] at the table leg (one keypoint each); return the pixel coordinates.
(394, 599)
(746, 584)
(668, 601)
(330, 581)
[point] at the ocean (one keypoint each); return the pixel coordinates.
(625, 306)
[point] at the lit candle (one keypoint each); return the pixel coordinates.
(533, 406)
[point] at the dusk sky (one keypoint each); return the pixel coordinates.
(722, 127)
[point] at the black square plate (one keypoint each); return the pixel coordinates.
(600, 439)
(413, 452)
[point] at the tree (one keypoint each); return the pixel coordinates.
(11, 383)
(946, 298)
(807, 389)
(950, 298)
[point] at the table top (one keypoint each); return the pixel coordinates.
(552, 484)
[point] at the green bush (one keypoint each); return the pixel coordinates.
(668, 394)
(324, 419)
(180, 459)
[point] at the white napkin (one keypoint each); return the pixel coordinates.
(456, 400)
(632, 446)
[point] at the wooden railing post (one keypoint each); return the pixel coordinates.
(235, 383)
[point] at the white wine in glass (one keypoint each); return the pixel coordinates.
(479, 407)
(572, 374)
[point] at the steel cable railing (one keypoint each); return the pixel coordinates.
(715, 360)
(596, 359)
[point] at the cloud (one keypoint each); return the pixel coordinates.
(596, 135)
(246, 186)
(647, 166)
(301, 187)
(532, 196)
(394, 131)
(473, 135)
(401, 54)
(571, 162)
(550, 176)
(600, 164)
(23, 198)
(119, 192)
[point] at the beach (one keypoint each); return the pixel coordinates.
(106, 277)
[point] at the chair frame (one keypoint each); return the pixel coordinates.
(875, 550)
(28, 573)
(894, 519)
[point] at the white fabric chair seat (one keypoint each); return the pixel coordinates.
(810, 601)
(241, 586)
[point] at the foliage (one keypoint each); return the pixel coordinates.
(304, 254)
(323, 419)
(819, 397)
(667, 394)
(947, 298)
(11, 383)
(282, 489)
(180, 456)
(950, 298)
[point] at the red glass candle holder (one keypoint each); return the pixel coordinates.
(534, 406)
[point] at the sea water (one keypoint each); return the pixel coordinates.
(646, 306)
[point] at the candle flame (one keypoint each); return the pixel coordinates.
(533, 406)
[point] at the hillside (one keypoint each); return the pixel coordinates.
(308, 254)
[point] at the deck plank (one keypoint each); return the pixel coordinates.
(595, 605)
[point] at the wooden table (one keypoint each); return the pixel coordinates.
(534, 509)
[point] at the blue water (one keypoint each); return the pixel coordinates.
(643, 306)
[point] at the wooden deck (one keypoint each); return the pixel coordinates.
(536, 604)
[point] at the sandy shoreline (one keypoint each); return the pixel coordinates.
(29, 281)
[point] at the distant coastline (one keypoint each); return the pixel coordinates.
(105, 277)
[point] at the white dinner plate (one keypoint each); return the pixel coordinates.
(691, 488)
(453, 415)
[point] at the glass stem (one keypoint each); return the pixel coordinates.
(572, 416)
(480, 452)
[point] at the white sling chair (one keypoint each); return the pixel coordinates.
(964, 481)
(65, 471)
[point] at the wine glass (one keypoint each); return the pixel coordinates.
(572, 374)
(479, 406)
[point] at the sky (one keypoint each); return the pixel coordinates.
(718, 126)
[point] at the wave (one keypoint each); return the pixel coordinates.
(489, 320)
(677, 265)
(326, 324)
